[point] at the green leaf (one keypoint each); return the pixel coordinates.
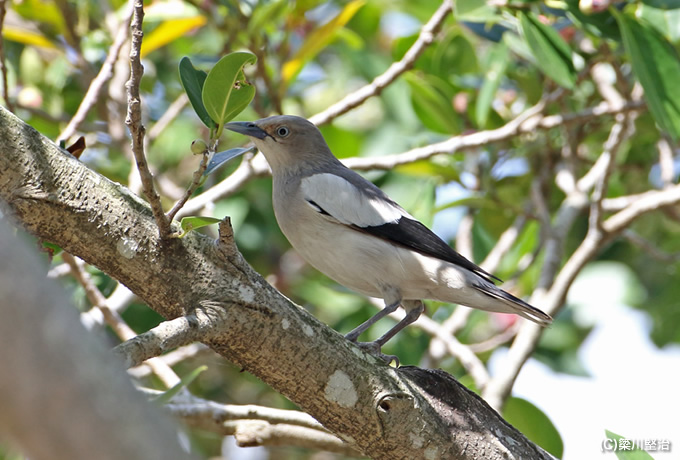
(184, 382)
(498, 62)
(193, 80)
(663, 4)
(667, 22)
(429, 169)
(453, 55)
(46, 14)
(623, 454)
(190, 223)
(432, 101)
(226, 92)
(527, 242)
(656, 65)
(600, 24)
(475, 201)
(553, 55)
(535, 425)
(475, 11)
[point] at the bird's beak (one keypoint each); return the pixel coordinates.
(247, 128)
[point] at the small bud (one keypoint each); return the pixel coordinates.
(198, 147)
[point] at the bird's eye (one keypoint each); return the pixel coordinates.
(282, 131)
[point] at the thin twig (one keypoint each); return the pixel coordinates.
(198, 175)
(134, 121)
(114, 320)
(379, 83)
(497, 340)
(249, 169)
(3, 63)
(254, 425)
(519, 125)
(621, 130)
(650, 201)
(167, 336)
(104, 75)
(666, 161)
(553, 286)
(262, 72)
(649, 248)
(120, 298)
(472, 364)
(171, 358)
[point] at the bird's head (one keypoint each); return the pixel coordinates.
(288, 142)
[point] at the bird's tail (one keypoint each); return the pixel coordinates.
(517, 305)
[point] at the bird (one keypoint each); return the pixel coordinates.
(350, 230)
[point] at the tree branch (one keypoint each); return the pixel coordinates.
(355, 99)
(134, 121)
(3, 62)
(375, 408)
(104, 75)
(253, 425)
(520, 125)
(555, 282)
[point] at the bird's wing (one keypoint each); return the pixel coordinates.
(371, 211)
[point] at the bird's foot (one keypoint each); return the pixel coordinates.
(373, 348)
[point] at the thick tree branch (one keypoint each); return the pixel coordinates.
(377, 409)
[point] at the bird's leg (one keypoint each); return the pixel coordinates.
(375, 347)
(411, 315)
(360, 329)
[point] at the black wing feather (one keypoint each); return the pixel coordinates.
(413, 235)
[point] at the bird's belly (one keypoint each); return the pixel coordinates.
(364, 263)
(342, 254)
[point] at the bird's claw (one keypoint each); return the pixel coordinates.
(373, 348)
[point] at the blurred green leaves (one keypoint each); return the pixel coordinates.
(165, 397)
(656, 65)
(534, 424)
(553, 55)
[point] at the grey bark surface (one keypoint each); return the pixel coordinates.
(62, 395)
(206, 285)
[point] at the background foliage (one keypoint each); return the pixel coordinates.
(488, 64)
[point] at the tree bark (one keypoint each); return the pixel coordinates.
(62, 395)
(387, 413)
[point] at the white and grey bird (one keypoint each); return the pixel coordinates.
(350, 230)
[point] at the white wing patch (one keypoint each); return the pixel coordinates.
(346, 203)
